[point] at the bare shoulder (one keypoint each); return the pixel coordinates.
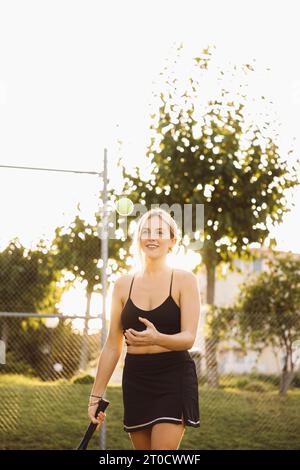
(123, 280)
(185, 276)
(122, 284)
(188, 286)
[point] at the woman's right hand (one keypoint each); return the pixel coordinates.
(96, 419)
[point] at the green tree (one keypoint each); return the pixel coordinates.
(77, 250)
(29, 283)
(229, 165)
(28, 279)
(268, 311)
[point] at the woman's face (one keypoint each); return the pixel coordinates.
(155, 237)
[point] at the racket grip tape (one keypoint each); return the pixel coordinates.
(102, 405)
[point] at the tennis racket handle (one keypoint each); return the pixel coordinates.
(102, 405)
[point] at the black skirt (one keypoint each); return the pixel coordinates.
(158, 388)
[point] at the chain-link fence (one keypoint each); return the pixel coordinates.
(48, 362)
(47, 373)
(49, 352)
(51, 308)
(48, 347)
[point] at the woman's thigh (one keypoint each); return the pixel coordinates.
(141, 440)
(167, 436)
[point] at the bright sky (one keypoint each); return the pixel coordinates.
(76, 76)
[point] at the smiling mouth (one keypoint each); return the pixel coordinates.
(152, 247)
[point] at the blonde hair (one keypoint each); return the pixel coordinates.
(174, 233)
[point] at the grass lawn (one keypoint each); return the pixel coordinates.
(37, 415)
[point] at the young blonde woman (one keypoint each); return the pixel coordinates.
(157, 311)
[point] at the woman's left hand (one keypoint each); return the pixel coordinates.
(149, 336)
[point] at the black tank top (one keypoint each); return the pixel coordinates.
(165, 317)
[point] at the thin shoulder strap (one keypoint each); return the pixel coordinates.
(171, 283)
(131, 286)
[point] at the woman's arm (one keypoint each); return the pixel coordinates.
(190, 305)
(113, 345)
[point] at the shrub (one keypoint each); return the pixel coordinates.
(256, 386)
(15, 365)
(83, 379)
(242, 382)
(296, 380)
(272, 379)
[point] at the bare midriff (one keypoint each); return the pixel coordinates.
(146, 349)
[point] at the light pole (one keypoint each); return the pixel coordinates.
(104, 257)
